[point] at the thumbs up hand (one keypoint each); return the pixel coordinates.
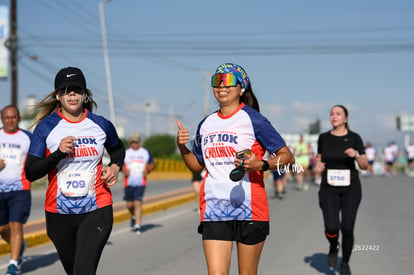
(183, 135)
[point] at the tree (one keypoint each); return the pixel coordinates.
(315, 127)
(161, 146)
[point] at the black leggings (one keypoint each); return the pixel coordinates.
(80, 238)
(344, 200)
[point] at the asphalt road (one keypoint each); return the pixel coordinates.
(154, 187)
(384, 241)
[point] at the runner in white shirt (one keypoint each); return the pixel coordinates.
(137, 165)
(389, 158)
(410, 159)
(15, 197)
(370, 153)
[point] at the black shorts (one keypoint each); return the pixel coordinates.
(134, 193)
(197, 177)
(246, 232)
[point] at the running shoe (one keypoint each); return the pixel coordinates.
(12, 270)
(333, 256)
(20, 259)
(345, 270)
(137, 230)
(132, 223)
(280, 196)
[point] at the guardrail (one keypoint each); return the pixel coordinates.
(170, 165)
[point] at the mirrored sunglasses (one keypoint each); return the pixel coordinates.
(228, 79)
(69, 89)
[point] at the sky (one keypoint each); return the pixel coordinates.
(302, 58)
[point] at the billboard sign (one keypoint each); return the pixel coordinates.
(4, 36)
(405, 123)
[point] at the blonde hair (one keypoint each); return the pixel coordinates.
(50, 104)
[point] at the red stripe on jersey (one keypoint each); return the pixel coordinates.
(59, 111)
(51, 192)
(259, 204)
(25, 182)
(203, 198)
(102, 190)
(125, 177)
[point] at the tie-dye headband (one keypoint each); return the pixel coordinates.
(237, 70)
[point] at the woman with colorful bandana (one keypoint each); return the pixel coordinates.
(233, 210)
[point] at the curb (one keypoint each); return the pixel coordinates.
(40, 237)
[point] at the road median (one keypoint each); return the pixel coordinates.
(35, 231)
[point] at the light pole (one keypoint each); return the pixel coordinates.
(207, 92)
(148, 106)
(106, 60)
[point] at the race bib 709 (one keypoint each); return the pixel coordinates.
(76, 183)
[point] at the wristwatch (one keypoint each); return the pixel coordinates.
(265, 166)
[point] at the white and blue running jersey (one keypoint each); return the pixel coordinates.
(13, 150)
(136, 162)
(75, 185)
(218, 138)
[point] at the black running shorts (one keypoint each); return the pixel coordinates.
(246, 232)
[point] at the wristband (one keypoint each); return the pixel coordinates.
(265, 166)
(117, 163)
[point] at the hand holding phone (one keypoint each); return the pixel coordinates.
(243, 154)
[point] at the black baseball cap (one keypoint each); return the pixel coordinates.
(69, 76)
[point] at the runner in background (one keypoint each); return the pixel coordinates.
(15, 196)
(340, 191)
(371, 154)
(396, 154)
(409, 151)
(279, 183)
(302, 154)
(137, 165)
(389, 158)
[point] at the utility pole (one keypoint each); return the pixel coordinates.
(106, 60)
(207, 92)
(13, 50)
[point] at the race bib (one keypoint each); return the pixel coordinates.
(137, 167)
(339, 177)
(76, 183)
(11, 155)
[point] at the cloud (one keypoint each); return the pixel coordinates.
(149, 105)
(309, 108)
(273, 110)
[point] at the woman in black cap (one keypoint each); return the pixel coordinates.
(68, 145)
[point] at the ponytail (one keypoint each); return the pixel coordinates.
(249, 99)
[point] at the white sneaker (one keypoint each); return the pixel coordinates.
(137, 230)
